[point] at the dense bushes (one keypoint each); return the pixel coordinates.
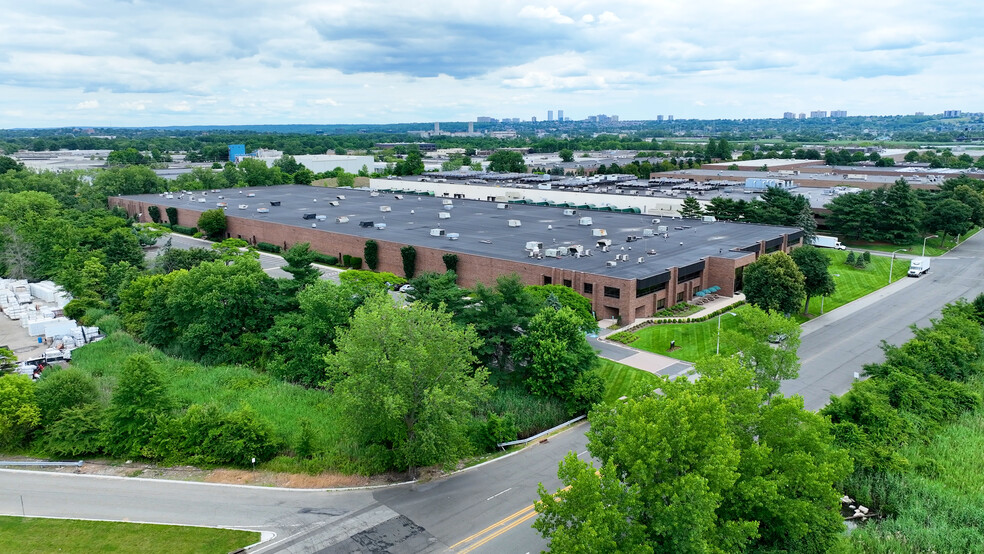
(172, 215)
(184, 230)
(267, 247)
(325, 259)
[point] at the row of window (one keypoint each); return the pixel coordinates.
(610, 292)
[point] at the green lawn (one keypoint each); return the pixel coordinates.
(693, 340)
(24, 534)
(854, 283)
(934, 246)
(621, 379)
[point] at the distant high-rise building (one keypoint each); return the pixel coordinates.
(485, 119)
(659, 118)
(437, 127)
(549, 115)
(801, 116)
(788, 115)
(560, 115)
(951, 113)
(669, 118)
(818, 114)
(838, 113)
(471, 127)
(533, 119)
(615, 118)
(920, 113)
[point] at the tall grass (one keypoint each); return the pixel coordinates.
(532, 414)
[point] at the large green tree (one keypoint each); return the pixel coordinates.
(507, 161)
(814, 264)
(900, 213)
(140, 403)
(213, 223)
(950, 217)
(691, 208)
(554, 352)
(406, 383)
(853, 215)
(499, 314)
(764, 343)
(774, 283)
(19, 411)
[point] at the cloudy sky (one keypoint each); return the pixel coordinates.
(134, 63)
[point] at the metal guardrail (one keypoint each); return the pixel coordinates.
(538, 435)
(42, 464)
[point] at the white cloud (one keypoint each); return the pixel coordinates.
(182, 106)
(587, 18)
(326, 102)
(550, 13)
(608, 17)
(87, 105)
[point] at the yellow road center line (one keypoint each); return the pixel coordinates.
(500, 531)
(502, 521)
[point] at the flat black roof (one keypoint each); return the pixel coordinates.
(484, 229)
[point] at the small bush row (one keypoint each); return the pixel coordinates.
(325, 259)
(184, 230)
(267, 247)
(354, 262)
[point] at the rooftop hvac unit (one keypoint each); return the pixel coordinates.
(604, 242)
(655, 221)
(385, 209)
(625, 257)
(447, 202)
(250, 195)
(365, 224)
(647, 233)
(221, 204)
(314, 225)
(380, 226)
(341, 219)
(501, 206)
(515, 223)
(340, 197)
(453, 236)
(534, 245)
(202, 200)
(584, 221)
(169, 196)
(309, 216)
(611, 264)
(399, 197)
(708, 219)
(599, 233)
(373, 194)
(315, 200)
(437, 232)
(570, 212)
(275, 202)
(321, 217)
(444, 215)
(640, 260)
(243, 206)
(448, 206)
(551, 253)
(262, 210)
(334, 203)
(662, 229)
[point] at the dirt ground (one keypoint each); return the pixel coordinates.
(230, 476)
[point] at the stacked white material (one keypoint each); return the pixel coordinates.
(36, 327)
(59, 328)
(44, 290)
(24, 297)
(62, 298)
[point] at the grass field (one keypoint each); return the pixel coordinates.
(697, 340)
(621, 379)
(934, 246)
(24, 534)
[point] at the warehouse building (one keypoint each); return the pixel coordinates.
(629, 265)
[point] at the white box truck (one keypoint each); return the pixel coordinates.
(918, 266)
(828, 242)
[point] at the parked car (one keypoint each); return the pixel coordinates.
(406, 288)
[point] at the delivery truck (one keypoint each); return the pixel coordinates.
(918, 266)
(828, 242)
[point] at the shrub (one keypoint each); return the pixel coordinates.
(205, 435)
(267, 247)
(109, 324)
(371, 253)
(140, 402)
(325, 259)
(409, 255)
(64, 389)
(155, 214)
(625, 337)
(866, 256)
(588, 389)
(172, 215)
(850, 258)
(346, 260)
(184, 230)
(19, 412)
(450, 262)
(213, 223)
(493, 431)
(355, 262)
(78, 431)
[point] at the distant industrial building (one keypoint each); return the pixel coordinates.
(422, 146)
(486, 119)
(629, 265)
(838, 113)
(236, 151)
(669, 118)
(952, 113)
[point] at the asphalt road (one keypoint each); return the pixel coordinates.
(840, 343)
(487, 508)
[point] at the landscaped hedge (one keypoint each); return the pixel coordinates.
(267, 247)
(351, 261)
(184, 230)
(325, 259)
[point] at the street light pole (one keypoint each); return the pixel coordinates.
(718, 349)
(924, 242)
(891, 265)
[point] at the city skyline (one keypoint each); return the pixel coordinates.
(132, 64)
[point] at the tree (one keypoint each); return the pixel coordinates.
(774, 283)
(807, 222)
(16, 253)
(691, 208)
(554, 352)
(172, 259)
(123, 246)
(371, 253)
(172, 215)
(8, 360)
(853, 215)
(566, 297)
(437, 289)
(507, 161)
(765, 344)
(500, 314)
(413, 164)
(9, 164)
(155, 214)
(813, 264)
(63, 389)
(409, 255)
(213, 223)
(406, 383)
(19, 412)
(950, 217)
(450, 260)
(567, 155)
(899, 213)
(299, 259)
(139, 403)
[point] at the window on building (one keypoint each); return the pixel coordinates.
(547, 280)
(689, 276)
(568, 283)
(612, 292)
(661, 303)
(649, 290)
(679, 297)
(588, 288)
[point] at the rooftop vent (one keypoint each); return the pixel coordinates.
(515, 223)
(444, 215)
(341, 219)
